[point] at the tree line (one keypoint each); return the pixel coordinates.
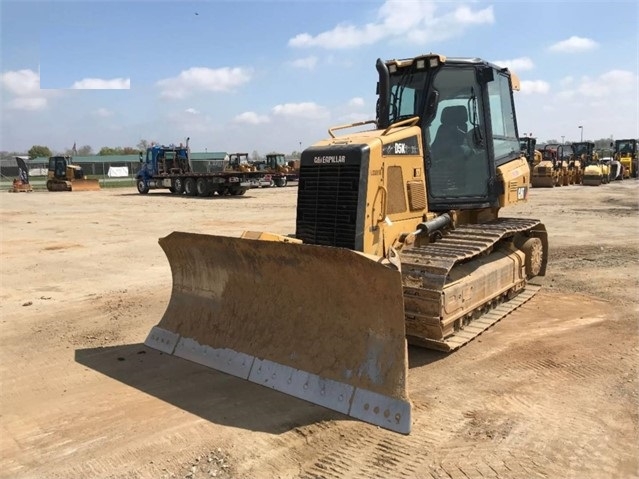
(42, 151)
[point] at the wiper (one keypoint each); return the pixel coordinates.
(472, 103)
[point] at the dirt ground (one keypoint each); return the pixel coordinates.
(551, 391)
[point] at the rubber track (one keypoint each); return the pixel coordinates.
(430, 265)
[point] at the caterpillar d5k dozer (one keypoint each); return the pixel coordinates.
(64, 176)
(397, 237)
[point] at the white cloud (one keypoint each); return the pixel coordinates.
(354, 117)
(21, 82)
(516, 64)
(615, 82)
(307, 110)
(417, 22)
(204, 79)
(187, 123)
(28, 103)
(102, 84)
(529, 87)
(588, 101)
(356, 102)
(566, 81)
(192, 111)
(24, 85)
(103, 112)
(251, 118)
(308, 63)
(574, 44)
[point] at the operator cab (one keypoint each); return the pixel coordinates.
(527, 145)
(467, 117)
(275, 160)
(626, 147)
(58, 165)
(238, 159)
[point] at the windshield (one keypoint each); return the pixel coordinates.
(458, 164)
(566, 151)
(580, 149)
(625, 147)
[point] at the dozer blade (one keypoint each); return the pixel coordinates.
(322, 324)
(85, 185)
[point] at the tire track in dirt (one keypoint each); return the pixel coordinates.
(515, 435)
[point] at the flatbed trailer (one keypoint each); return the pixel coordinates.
(169, 167)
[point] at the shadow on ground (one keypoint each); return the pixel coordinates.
(209, 394)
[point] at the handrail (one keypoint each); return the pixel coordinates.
(413, 121)
(351, 125)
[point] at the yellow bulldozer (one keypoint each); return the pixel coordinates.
(65, 176)
(281, 170)
(240, 162)
(398, 239)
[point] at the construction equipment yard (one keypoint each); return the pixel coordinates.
(549, 391)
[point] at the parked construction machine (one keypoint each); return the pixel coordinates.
(626, 153)
(528, 148)
(65, 176)
(21, 183)
(281, 170)
(553, 169)
(397, 238)
(595, 172)
(570, 165)
(240, 162)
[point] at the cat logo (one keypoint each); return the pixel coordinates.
(521, 193)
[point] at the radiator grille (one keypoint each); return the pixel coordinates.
(327, 201)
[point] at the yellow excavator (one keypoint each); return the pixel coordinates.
(398, 239)
(65, 176)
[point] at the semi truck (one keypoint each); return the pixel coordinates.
(170, 167)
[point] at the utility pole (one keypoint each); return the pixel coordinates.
(562, 139)
(582, 132)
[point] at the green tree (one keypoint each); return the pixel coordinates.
(85, 150)
(37, 151)
(144, 144)
(109, 151)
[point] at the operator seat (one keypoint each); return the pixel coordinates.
(451, 135)
(447, 152)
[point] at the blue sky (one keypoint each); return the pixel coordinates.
(271, 75)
